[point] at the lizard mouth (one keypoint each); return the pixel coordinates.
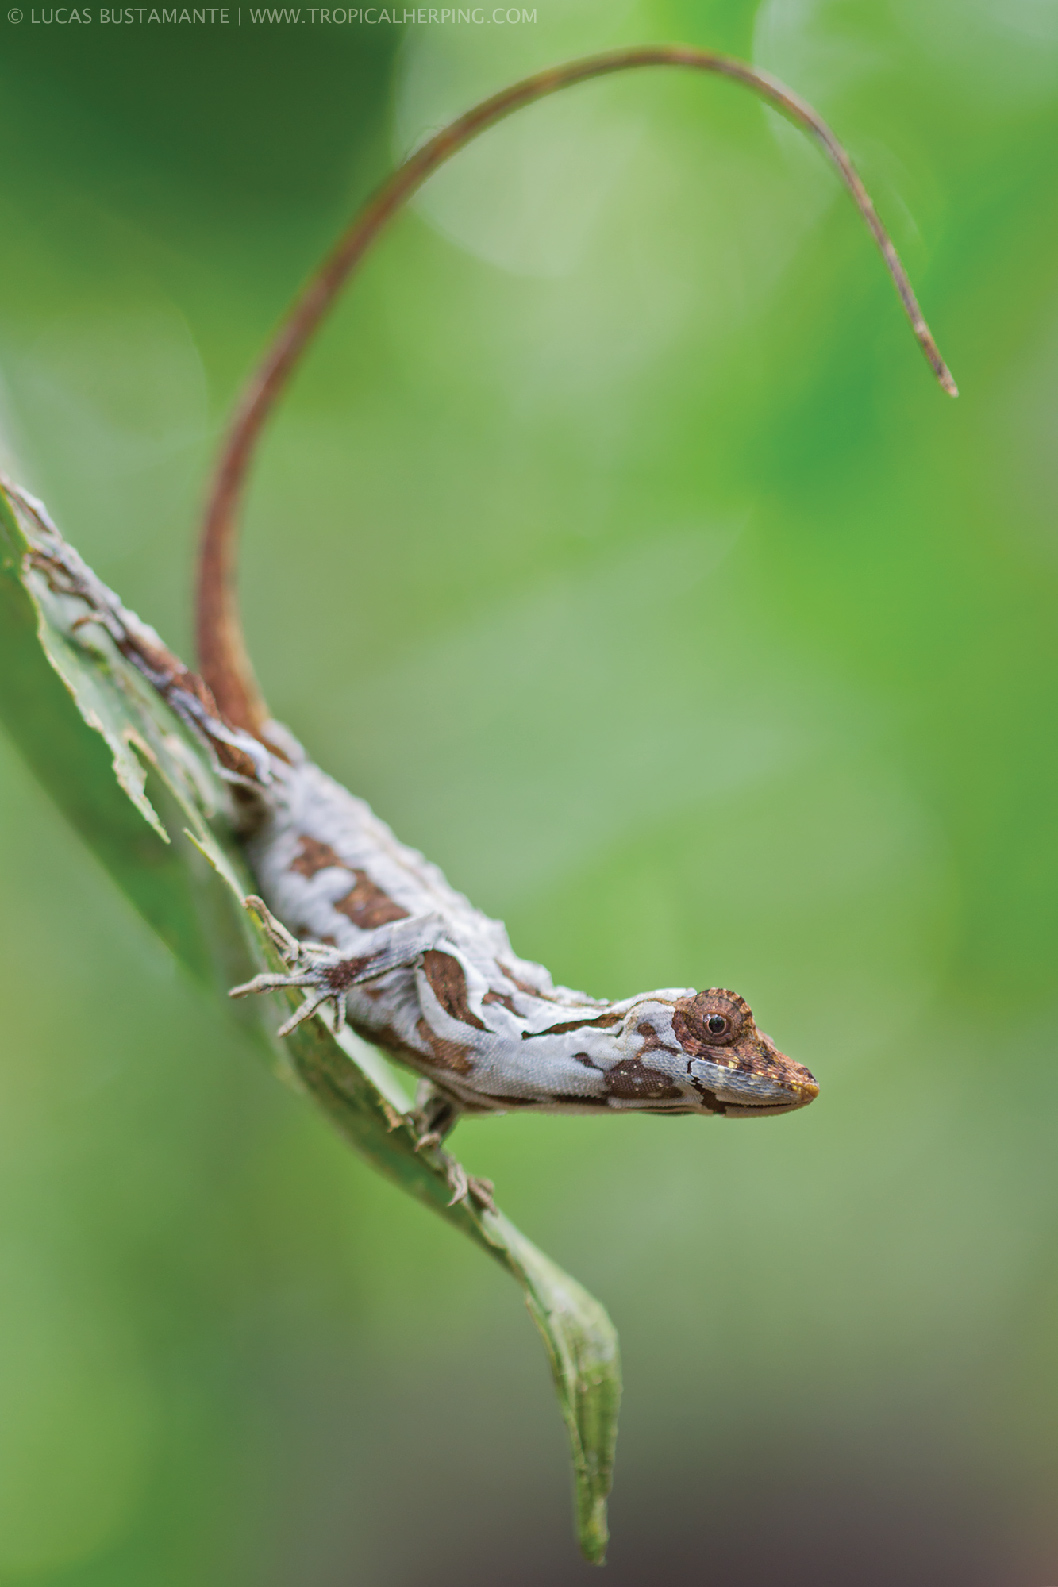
(739, 1105)
(806, 1093)
(741, 1095)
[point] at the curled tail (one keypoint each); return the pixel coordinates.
(223, 660)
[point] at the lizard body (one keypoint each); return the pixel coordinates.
(367, 925)
(421, 972)
(374, 929)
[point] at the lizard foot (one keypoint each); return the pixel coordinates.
(312, 966)
(466, 1186)
(325, 972)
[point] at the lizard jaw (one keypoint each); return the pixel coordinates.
(801, 1093)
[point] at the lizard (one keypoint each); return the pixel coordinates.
(368, 929)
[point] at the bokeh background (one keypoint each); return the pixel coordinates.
(617, 545)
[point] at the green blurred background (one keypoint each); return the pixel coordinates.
(617, 545)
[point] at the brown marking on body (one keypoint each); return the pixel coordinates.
(446, 1054)
(709, 1098)
(313, 857)
(448, 983)
(507, 1002)
(652, 1041)
(367, 906)
(632, 1079)
(302, 929)
(526, 987)
(390, 1041)
(585, 1059)
(339, 977)
(600, 1022)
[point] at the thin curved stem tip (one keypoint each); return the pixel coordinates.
(221, 649)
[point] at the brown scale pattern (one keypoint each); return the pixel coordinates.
(631, 1079)
(449, 986)
(365, 904)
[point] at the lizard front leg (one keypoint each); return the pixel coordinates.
(436, 1115)
(327, 973)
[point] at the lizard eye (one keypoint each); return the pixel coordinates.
(709, 1020)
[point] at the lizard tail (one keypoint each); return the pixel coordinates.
(223, 660)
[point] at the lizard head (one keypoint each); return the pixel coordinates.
(703, 1053)
(740, 1068)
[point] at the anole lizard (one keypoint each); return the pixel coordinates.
(366, 925)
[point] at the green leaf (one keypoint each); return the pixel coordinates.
(145, 795)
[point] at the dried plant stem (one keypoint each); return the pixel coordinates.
(222, 654)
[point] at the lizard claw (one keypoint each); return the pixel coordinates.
(458, 1181)
(481, 1190)
(468, 1187)
(431, 1138)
